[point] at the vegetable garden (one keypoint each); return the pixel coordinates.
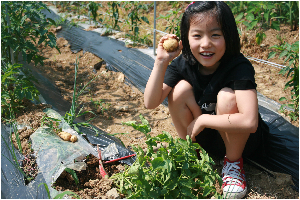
(101, 99)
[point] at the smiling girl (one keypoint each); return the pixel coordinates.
(211, 90)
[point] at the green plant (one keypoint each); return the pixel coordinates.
(258, 15)
(73, 114)
(144, 127)
(113, 12)
(73, 174)
(23, 27)
(173, 18)
(104, 106)
(11, 149)
(291, 54)
(290, 12)
(173, 172)
(135, 19)
(52, 123)
(15, 88)
(93, 8)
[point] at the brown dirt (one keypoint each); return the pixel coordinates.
(122, 103)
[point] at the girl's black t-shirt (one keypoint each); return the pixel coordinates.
(237, 74)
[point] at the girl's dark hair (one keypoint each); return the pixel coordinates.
(224, 17)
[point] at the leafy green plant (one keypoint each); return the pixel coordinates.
(258, 15)
(173, 18)
(93, 8)
(135, 19)
(113, 12)
(24, 27)
(104, 106)
(174, 172)
(291, 54)
(15, 87)
(52, 123)
(144, 127)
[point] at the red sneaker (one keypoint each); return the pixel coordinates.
(234, 180)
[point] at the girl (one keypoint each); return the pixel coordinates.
(211, 90)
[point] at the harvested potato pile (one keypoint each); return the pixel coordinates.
(67, 136)
(170, 45)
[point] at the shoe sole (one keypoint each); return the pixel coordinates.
(232, 195)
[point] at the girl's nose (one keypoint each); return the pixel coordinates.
(205, 42)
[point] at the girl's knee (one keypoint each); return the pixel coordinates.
(226, 101)
(180, 92)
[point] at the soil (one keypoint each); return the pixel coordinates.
(119, 102)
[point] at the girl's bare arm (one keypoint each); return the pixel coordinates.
(245, 121)
(156, 91)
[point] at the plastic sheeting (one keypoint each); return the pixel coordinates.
(53, 156)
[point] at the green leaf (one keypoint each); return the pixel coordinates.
(275, 25)
(73, 174)
(134, 169)
(47, 189)
(207, 191)
(250, 17)
(284, 53)
(239, 16)
(159, 163)
(145, 19)
(271, 54)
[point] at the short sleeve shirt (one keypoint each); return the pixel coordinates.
(237, 74)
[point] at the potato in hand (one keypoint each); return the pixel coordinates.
(170, 45)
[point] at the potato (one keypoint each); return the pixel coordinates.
(170, 45)
(73, 138)
(65, 136)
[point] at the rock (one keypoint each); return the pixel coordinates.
(122, 108)
(121, 78)
(120, 35)
(113, 194)
(58, 28)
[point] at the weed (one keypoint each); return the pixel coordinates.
(73, 114)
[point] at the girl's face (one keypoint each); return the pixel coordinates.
(206, 41)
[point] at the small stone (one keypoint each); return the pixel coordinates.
(58, 28)
(122, 108)
(121, 78)
(113, 194)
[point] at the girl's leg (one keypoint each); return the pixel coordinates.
(234, 142)
(183, 107)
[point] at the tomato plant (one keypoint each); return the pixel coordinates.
(291, 54)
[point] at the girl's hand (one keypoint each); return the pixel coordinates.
(195, 128)
(162, 54)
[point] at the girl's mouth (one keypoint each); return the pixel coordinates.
(206, 54)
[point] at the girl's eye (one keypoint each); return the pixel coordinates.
(197, 36)
(216, 35)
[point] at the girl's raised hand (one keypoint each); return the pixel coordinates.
(162, 54)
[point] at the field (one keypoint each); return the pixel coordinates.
(119, 102)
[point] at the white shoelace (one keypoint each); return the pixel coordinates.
(231, 171)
